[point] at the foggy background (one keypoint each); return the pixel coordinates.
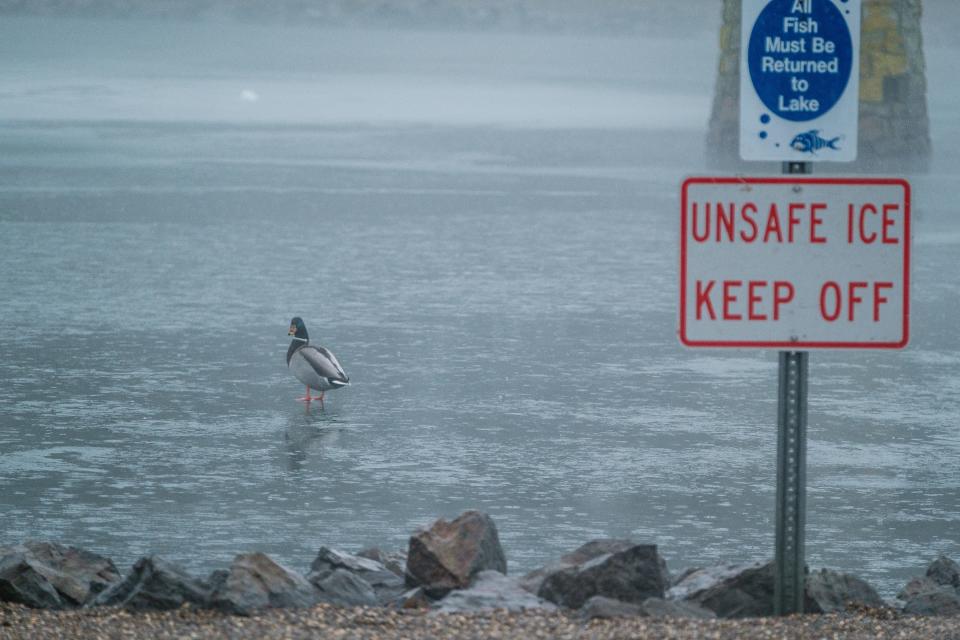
(623, 16)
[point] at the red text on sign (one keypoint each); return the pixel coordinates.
(746, 222)
(867, 223)
(739, 300)
(836, 298)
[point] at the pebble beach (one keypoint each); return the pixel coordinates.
(328, 621)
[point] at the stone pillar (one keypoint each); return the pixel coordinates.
(894, 131)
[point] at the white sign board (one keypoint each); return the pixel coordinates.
(799, 80)
(795, 263)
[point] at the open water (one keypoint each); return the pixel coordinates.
(484, 229)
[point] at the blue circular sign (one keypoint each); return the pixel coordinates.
(800, 57)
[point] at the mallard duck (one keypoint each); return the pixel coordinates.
(314, 366)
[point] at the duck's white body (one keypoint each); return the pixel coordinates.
(317, 368)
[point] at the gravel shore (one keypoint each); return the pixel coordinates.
(326, 621)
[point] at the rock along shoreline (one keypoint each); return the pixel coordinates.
(452, 581)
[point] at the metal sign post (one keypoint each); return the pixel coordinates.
(789, 575)
(789, 566)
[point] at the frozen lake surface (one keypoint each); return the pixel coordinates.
(488, 241)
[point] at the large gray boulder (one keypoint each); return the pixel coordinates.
(386, 584)
(328, 560)
(730, 591)
(491, 590)
(394, 561)
(602, 546)
(447, 555)
(345, 588)
(746, 590)
(631, 575)
(32, 571)
(155, 584)
(940, 602)
(23, 582)
(945, 572)
(935, 594)
(831, 591)
(255, 581)
(916, 586)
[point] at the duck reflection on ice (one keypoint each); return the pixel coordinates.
(311, 432)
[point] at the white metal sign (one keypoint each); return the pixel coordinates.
(795, 263)
(799, 80)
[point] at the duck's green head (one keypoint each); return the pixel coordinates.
(298, 329)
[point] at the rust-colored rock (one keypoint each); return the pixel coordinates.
(448, 555)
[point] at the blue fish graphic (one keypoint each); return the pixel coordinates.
(811, 142)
